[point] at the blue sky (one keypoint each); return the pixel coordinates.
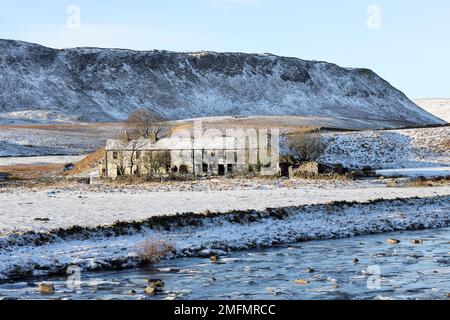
(410, 49)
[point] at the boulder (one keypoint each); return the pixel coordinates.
(301, 281)
(152, 290)
(46, 288)
(158, 283)
(154, 286)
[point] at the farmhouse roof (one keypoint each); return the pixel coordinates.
(176, 143)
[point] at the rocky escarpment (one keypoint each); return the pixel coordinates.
(92, 84)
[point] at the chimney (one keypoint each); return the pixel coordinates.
(126, 136)
(154, 136)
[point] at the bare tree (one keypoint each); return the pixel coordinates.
(155, 160)
(307, 146)
(144, 123)
(133, 155)
(120, 162)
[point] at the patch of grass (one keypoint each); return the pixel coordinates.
(420, 182)
(425, 182)
(329, 176)
(88, 163)
(392, 183)
(289, 125)
(32, 171)
(444, 145)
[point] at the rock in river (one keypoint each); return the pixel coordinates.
(301, 281)
(46, 288)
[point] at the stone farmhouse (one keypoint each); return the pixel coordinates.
(220, 155)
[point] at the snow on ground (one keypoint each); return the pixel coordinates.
(55, 139)
(438, 107)
(223, 233)
(33, 116)
(9, 161)
(65, 208)
(416, 172)
(45, 231)
(389, 149)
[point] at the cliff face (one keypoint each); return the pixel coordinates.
(91, 84)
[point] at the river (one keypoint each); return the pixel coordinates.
(365, 267)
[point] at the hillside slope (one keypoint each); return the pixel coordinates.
(438, 107)
(389, 149)
(91, 84)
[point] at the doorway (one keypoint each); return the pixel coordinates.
(221, 170)
(284, 167)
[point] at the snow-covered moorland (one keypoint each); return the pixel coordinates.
(8, 161)
(23, 210)
(61, 139)
(389, 149)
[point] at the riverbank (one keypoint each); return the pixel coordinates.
(116, 246)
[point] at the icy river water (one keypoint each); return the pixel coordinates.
(365, 267)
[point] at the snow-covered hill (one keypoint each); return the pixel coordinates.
(438, 107)
(389, 149)
(91, 84)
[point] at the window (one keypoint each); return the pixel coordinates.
(230, 168)
(115, 155)
(205, 168)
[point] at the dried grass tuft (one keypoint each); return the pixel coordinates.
(153, 250)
